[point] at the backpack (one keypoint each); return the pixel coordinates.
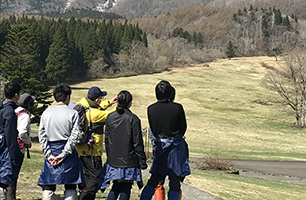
(85, 134)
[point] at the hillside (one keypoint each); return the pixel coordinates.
(143, 8)
(206, 20)
(147, 9)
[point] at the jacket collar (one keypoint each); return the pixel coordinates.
(5, 103)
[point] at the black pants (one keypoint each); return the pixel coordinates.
(92, 166)
(53, 187)
(174, 182)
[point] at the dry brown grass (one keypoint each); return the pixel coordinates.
(224, 116)
(201, 19)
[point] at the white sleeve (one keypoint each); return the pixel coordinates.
(24, 127)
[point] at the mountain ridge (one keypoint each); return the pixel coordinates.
(132, 9)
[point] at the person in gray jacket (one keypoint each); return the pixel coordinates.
(58, 134)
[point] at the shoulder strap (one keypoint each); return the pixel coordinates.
(90, 124)
(20, 112)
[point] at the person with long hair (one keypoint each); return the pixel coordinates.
(124, 149)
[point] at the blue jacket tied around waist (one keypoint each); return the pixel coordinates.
(171, 157)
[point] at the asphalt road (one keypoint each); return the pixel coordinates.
(284, 168)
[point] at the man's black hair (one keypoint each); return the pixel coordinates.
(61, 92)
(11, 88)
(163, 91)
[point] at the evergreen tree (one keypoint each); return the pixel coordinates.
(286, 22)
(90, 47)
(235, 17)
(194, 38)
(137, 33)
(230, 50)
(199, 40)
(278, 17)
(110, 38)
(127, 38)
(102, 37)
(265, 27)
(5, 26)
(20, 61)
(295, 18)
(144, 39)
(239, 12)
(251, 8)
(118, 34)
(73, 57)
(58, 65)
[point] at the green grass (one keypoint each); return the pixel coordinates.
(233, 187)
(228, 112)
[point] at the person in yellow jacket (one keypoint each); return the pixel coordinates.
(90, 155)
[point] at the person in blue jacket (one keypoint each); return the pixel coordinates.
(11, 156)
(168, 125)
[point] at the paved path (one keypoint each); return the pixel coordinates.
(284, 168)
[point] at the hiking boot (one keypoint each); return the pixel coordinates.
(2, 193)
(11, 193)
(48, 195)
(70, 195)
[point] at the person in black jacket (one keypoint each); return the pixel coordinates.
(11, 156)
(124, 149)
(168, 125)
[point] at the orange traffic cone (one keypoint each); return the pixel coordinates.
(159, 192)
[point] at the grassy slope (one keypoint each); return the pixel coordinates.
(222, 109)
(224, 117)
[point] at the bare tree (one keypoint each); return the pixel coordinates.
(97, 68)
(289, 82)
(136, 60)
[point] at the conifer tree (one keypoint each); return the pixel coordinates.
(144, 39)
(278, 17)
(90, 47)
(230, 50)
(5, 26)
(20, 61)
(127, 38)
(286, 22)
(73, 56)
(199, 40)
(118, 34)
(265, 27)
(58, 65)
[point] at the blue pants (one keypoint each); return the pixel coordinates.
(122, 188)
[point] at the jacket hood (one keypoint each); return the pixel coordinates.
(89, 103)
(4, 103)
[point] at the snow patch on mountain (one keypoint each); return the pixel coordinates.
(102, 7)
(68, 4)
